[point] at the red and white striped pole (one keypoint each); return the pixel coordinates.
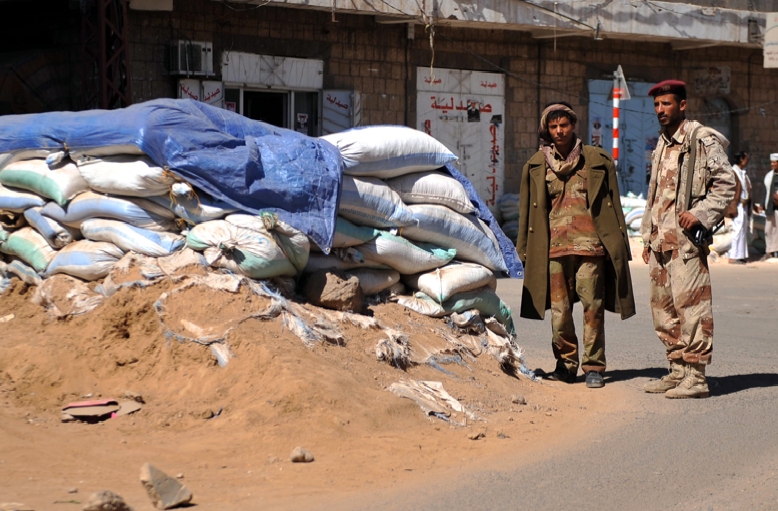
(616, 97)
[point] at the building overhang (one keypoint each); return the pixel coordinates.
(685, 25)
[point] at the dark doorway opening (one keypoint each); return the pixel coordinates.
(269, 107)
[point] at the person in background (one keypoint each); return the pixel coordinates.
(682, 208)
(771, 208)
(573, 244)
(738, 253)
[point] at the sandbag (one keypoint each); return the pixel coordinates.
(509, 206)
(60, 182)
(17, 201)
(135, 211)
(3, 235)
(484, 300)
(132, 175)
(635, 214)
(442, 283)
(349, 235)
(88, 260)
(341, 259)
(195, 209)
(375, 281)
(389, 151)
(240, 250)
(371, 202)
(468, 235)
(511, 229)
(636, 224)
(26, 274)
(132, 239)
(28, 245)
(405, 256)
(432, 188)
(294, 243)
(56, 234)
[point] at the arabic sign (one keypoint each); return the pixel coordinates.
(771, 40)
(460, 81)
(213, 92)
(712, 81)
(189, 89)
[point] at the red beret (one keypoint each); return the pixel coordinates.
(666, 87)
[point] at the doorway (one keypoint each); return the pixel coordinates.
(269, 107)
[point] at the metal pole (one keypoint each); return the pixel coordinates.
(616, 96)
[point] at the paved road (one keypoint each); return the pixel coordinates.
(713, 454)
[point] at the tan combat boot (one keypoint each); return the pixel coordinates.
(670, 381)
(694, 385)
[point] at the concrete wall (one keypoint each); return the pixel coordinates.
(379, 61)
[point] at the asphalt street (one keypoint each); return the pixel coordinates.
(719, 453)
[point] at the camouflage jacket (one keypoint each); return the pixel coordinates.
(713, 184)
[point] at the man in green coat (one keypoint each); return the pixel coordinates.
(573, 244)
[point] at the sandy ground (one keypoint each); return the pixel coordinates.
(276, 394)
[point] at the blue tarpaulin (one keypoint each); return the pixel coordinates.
(509, 255)
(249, 164)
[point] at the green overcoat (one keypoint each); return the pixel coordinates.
(534, 235)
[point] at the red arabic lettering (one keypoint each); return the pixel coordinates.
(429, 80)
(428, 127)
(488, 85)
(495, 148)
(446, 106)
(336, 102)
(487, 108)
(189, 93)
(211, 95)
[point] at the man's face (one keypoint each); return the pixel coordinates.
(774, 165)
(561, 131)
(668, 110)
(744, 161)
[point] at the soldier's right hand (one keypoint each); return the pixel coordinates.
(646, 254)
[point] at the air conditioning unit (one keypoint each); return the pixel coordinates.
(190, 58)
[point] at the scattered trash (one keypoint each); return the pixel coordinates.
(133, 396)
(6, 319)
(164, 491)
(14, 506)
(300, 455)
(431, 397)
(98, 410)
(106, 501)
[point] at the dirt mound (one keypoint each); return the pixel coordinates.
(274, 394)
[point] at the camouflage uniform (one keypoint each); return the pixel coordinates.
(680, 287)
(576, 267)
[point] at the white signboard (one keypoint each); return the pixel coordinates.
(189, 89)
(269, 71)
(771, 40)
(465, 111)
(342, 110)
(213, 93)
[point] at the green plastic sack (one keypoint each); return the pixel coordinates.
(29, 246)
(3, 235)
(60, 182)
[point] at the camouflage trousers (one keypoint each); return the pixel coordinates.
(681, 306)
(574, 276)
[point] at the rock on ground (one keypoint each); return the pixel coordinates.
(106, 501)
(300, 455)
(334, 289)
(164, 491)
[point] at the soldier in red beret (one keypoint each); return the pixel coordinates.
(691, 186)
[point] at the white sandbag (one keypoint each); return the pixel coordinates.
(88, 260)
(135, 211)
(485, 300)
(633, 202)
(432, 188)
(468, 235)
(132, 239)
(389, 151)
(371, 202)
(194, 208)
(240, 250)
(375, 281)
(349, 235)
(17, 201)
(28, 245)
(294, 243)
(60, 182)
(405, 256)
(635, 214)
(509, 206)
(132, 175)
(442, 283)
(511, 229)
(636, 224)
(56, 234)
(341, 259)
(23, 272)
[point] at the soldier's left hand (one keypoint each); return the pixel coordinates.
(687, 220)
